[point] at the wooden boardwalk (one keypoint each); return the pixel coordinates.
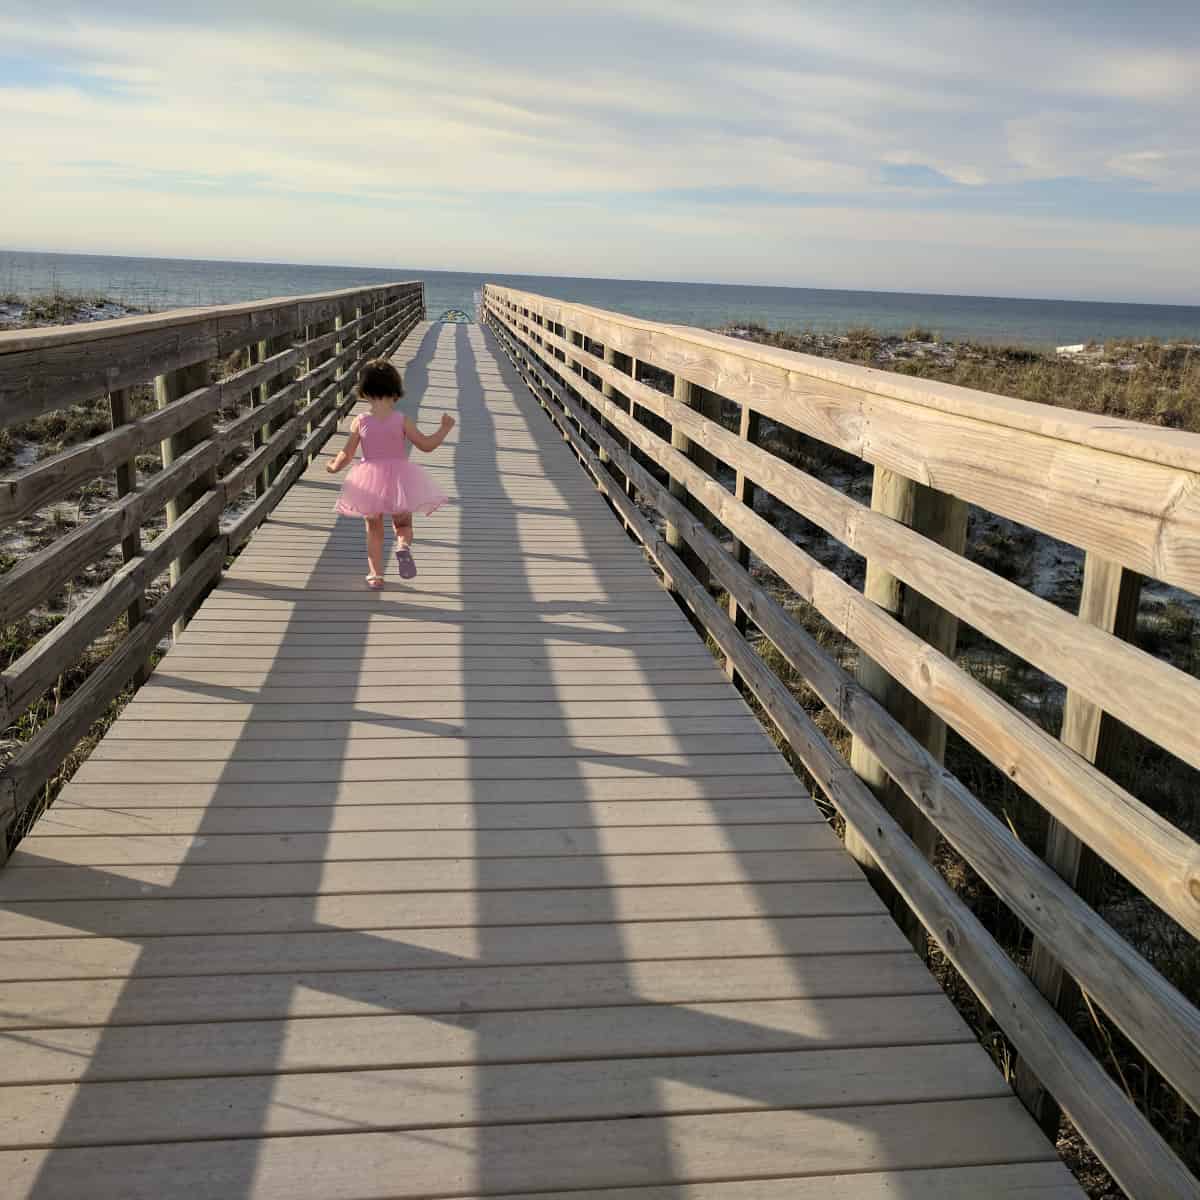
(489, 884)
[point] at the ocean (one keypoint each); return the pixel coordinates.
(159, 283)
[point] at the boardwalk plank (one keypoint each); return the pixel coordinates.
(542, 1156)
(52, 881)
(445, 1097)
(218, 793)
(436, 910)
(402, 1040)
(1019, 1181)
(73, 820)
(593, 843)
(207, 749)
(300, 996)
(149, 723)
(391, 949)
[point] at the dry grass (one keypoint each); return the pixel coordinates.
(58, 307)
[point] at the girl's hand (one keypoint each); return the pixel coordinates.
(447, 423)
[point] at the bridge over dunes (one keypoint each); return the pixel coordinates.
(506, 881)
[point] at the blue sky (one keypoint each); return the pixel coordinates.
(999, 148)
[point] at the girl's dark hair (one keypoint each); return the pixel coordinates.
(379, 378)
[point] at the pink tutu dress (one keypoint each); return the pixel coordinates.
(384, 481)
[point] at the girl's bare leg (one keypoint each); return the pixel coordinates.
(402, 525)
(375, 545)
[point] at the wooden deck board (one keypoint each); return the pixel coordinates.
(52, 881)
(142, 1004)
(427, 892)
(75, 820)
(454, 1161)
(1021, 1181)
(420, 1097)
(398, 1040)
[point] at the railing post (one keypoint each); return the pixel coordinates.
(609, 392)
(604, 456)
(565, 360)
(167, 389)
(630, 407)
(743, 493)
(365, 313)
(131, 547)
(338, 347)
(344, 316)
(686, 393)
(272, 346)
(942, 519)
(312, 362)
(360, 325)
(1109, 600)
(256, 352)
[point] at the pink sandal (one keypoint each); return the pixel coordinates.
(375, 582)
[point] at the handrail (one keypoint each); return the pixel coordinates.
(1129, 495)
(237, 437)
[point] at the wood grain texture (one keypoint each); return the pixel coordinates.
(943, 520)
(1109, 600)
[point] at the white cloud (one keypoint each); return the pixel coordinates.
(536, 136)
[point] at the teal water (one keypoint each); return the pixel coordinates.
(159, 283)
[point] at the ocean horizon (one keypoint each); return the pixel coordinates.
(162, 283)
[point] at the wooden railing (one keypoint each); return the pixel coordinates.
(236, 400)
(641, 403)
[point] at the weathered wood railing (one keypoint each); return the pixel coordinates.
(1128, 495)
(237, 400)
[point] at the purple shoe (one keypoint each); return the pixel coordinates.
(405, 564)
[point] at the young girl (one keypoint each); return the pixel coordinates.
(385, 481)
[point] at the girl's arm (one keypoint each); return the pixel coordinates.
(428, 441)
(346, 454)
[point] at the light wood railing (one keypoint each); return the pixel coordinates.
(641, 404)
(236, 400)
